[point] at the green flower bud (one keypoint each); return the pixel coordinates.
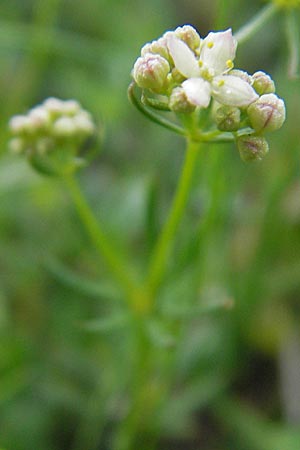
(262, 83)
(227, 118)
(267, 113)
(179, 102)
(44, 145)
(252, 148)
(189, 35)
(151, 71)
(17, 145)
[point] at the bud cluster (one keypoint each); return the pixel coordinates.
(189, 73)
(50, 126)
(50, 133)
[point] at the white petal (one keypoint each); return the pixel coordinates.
(233, 91)
(197, 91)
(218, 50)
(183, 57)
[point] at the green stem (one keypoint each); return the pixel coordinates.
(165, 241)
(292, 32)
(98, 237)
(156, 118)
(258, 21)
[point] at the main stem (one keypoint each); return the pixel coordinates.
(134, 296)
(161, 252)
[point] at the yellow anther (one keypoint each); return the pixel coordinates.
(200, 63)
(229, 64)
(210, 44)
(221, 83)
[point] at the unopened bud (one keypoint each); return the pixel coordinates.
(227, 118)
(267, 113)
(179, 102)
(70, 107)
(262, 83)
(158, 47)
(64, 127)
(17, 145)
(252, 148)
(241, 74)
(44, 145)
(20, 125)
(54, 106)
(39, 117)
(84, 123)
(189, 35)
(150, 72)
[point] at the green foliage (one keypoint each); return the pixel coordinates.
(68, 348)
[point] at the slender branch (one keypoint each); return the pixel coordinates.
(292, 32)
(152, 115)
(260, 19)
(165, 241)
(105, 249)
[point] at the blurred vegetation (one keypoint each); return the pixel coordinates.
(65, 366)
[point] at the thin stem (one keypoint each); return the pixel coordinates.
(165, 241)
(152, 115)
(98, 237)
(260, 19)
(292, 32)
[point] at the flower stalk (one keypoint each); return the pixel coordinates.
(157, 267)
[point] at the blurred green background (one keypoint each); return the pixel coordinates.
(63, 380)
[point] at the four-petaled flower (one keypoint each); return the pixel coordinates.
(208, 75)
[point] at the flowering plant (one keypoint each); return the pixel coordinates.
(188, 84)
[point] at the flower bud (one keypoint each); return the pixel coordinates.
(70, 107)
(44, 145)
(84, 123)
(189, 35)
(17, 145)
(227, 118)
(39, 117)
(20, 125)
(52, 134)
(241, 74)
(150, 72)
(262, 83)
(54, 106)
(179, 102)
(252, 148)
(158, 47)
(267, 113)
(64, 127)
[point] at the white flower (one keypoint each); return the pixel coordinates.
(207, 75)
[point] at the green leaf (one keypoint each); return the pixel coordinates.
(76, 282)
(107, 324)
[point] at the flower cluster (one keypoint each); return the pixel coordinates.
(52, 135)
(49, 126)
(187, 74)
